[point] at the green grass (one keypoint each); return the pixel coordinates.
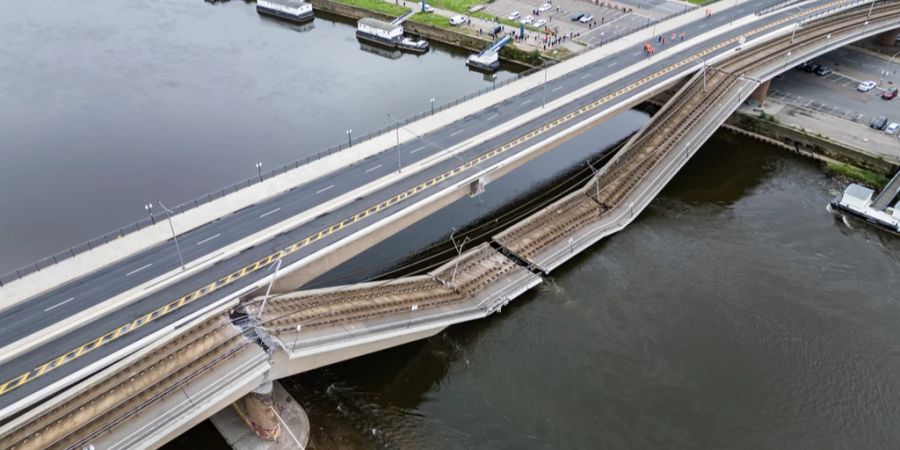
(377, 6)
(434, 20)
(867, 177)
(702, 2)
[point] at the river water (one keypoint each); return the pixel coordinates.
(734, 313)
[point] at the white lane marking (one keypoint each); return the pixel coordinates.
(556, 89)
(457, 132)
(493, 117)
(585, 76)
(637, 54)
(60, 304)
(613, 64)
(420, 148)
(137, 270)
(208, 239)
(373, 168)
(527, 102)
(270, 212)
(324, 189)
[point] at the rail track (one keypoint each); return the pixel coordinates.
(651, 145)
(123, 395)
(126, 392)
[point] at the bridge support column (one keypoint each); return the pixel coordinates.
(888, 38)
(258, 411)
(759, 95)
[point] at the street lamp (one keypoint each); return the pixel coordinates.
(262, 308)
(149, 208)
(432, 106)
(546, 67)
(397, 128)
(174, 236)
(259, 170)
(459, 249)
(349, 140)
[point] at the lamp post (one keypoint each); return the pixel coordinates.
(397, 128)
(432, 106)
(174, 236)
(262, 308)
(349, 139)
(546, 68)
(259, 170)
(149, 208)
(887, 65)
(459, 249)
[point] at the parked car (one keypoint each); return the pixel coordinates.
(810, 67)
(576, 17)
(802, 66)
(526, 20)
(866, 86)
(586, 18)
(879, 123)
(892, 128)
(540, 23)
(889, 94)
(513, 15)
(457, 20)
(545, 7)
(428, 8)
(823, 71)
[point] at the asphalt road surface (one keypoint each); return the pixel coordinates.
(63, 302)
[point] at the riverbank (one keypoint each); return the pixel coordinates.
(435, 28)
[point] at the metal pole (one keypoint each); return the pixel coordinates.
(259, 170)
(432, 105)
(869, 16)
(596, 179)
(269, 289)
(546, 66)
(349, 140)
(704, 74)
(294, 345)
(397, 128)
(458, 256)
(174, 236)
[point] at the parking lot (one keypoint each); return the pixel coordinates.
(607, 21)
(836, 94)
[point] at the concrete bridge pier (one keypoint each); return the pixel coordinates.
(266, 419)
(888, 38)
(759, 95)
(257, 410)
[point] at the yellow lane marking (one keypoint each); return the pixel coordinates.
(187, 299)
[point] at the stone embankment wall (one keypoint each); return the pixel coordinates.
(432, 33)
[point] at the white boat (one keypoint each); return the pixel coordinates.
(414, 44)
(293, 10)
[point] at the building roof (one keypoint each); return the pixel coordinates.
(380, 24)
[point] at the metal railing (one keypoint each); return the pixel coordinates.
(776, 7)
(120, 232)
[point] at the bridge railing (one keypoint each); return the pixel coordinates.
(120, 232)
(209, 197)
(776, 7)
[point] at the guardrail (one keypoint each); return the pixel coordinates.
(110, 236)
(776, 7)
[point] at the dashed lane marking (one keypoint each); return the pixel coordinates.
(270, 212)
(59, 304)
(324, 189)
(209, 239)
(138, 269)
(373, 168)
(263, 263)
